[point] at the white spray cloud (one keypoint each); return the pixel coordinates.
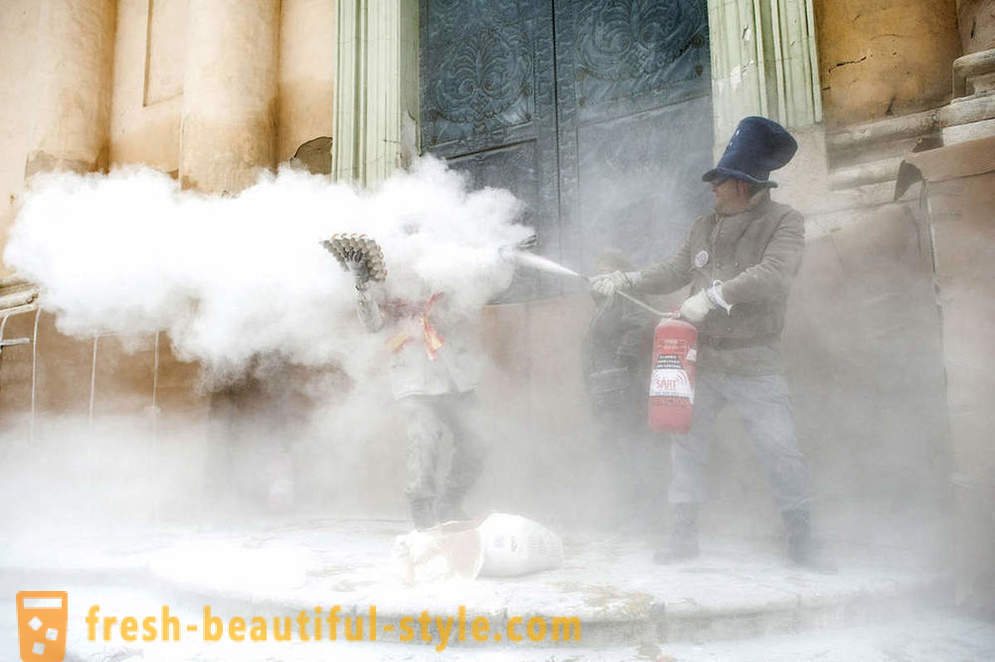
(234, 278)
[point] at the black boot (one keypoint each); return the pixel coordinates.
(802, 548)
(683, 544)
(423, 514)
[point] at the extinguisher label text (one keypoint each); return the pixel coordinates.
(669, 379)
(670, 361)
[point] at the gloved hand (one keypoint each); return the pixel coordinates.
(607, 284)
(696, 307)
(360, 272)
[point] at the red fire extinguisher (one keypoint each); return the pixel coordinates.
(675, 353)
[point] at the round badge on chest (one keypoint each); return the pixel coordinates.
(701, 259)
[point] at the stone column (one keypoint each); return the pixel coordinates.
(763, 63)
(376, 92)
(229, 112)
(75, 65)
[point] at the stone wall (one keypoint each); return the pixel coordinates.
(306, 76)
(150, 70)
(976, 19)
(879, 59)
(18, 37)
(149, 57)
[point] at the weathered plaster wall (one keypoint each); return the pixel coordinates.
(148, 91)
(149, 71)
(884, 58)
(804, 182)
(976, 19)
(307, 68)
(18, 89)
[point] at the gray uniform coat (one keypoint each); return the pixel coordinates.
(756, 255)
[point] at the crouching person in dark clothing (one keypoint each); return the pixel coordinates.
(616, 358)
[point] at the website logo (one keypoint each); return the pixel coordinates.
(41, 625)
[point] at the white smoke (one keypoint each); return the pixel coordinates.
(235, 278)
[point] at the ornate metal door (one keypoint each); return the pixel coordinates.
(596, 113)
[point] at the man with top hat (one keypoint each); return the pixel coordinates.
(740, 261)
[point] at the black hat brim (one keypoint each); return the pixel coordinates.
(722, 171)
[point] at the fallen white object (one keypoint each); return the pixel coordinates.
(501, 545)
(515, 545)
(449, 551)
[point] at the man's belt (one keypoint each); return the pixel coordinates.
(719, 342)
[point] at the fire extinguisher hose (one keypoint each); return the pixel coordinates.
(643, 304)
(532, 261)
(639, 302)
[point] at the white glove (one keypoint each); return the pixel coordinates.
(696, 307)
(608, 284)
(714, 294)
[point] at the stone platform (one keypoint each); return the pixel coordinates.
(620, 598)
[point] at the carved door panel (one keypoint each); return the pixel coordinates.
(594, 112)
(635, 124)
(488, 104)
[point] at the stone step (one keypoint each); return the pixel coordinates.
(863, 136)
(880, 151)
(870, 154)
(966, 110)
(925, 633)
(967, 132)
(863, 174)
(609, 587)
(983, 83)
(971, 67)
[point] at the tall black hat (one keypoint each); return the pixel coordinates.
(758, 146)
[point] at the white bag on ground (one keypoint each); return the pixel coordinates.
(515, 545)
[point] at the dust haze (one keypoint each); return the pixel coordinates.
(241, 286)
